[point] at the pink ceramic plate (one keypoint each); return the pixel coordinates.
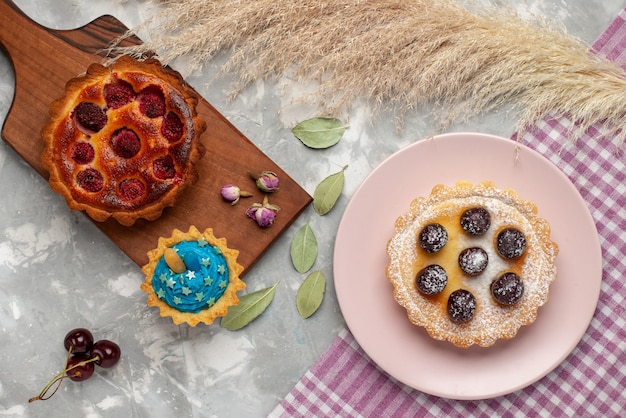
(405, 351)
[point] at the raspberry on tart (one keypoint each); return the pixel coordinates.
(123, 140)
(471, 263)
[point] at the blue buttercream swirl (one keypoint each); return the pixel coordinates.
(201, 285)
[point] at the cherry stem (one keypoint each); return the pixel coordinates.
(58, 378)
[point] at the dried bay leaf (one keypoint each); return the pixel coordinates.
(304, 249)
(311, 293)
(319, 133)
(250, 306)
(328, 191)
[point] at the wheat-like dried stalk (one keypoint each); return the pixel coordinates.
(399, 55)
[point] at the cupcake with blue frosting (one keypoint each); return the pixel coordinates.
(192, 277)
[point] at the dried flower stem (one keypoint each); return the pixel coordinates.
(398, 55)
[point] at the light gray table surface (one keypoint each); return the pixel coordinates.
(58, 271)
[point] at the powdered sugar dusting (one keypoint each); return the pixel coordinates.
(492, 320)
(473, 260)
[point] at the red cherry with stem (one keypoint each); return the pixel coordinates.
(106, 353)
(79, 367)
(78, 341)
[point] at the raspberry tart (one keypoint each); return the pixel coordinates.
(471, 263)
(192, 277)
(123, 140)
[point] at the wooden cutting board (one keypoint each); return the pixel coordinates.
(44, 60)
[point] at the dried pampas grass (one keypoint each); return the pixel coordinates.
(398, 55)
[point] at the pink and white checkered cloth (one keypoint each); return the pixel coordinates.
(591, 382)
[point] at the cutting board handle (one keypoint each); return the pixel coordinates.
(43, 60)
(15, 26)
(20, 35)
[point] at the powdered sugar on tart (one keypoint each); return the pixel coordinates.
(463, 259)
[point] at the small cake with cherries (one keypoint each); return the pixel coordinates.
(192, 277)
(123, 140)
(471, 263)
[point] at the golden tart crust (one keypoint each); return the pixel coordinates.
(491, 320)
(217, 308)
(112, 154)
